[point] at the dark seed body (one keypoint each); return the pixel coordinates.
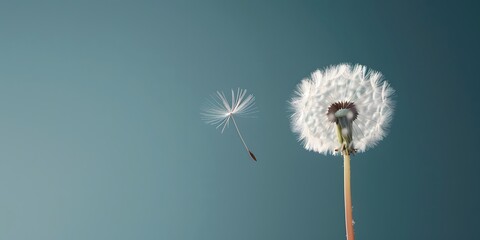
(252, 156)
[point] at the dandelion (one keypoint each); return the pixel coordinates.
(218, 111)
(344, 109)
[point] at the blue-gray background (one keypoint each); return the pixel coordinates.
(101, 137)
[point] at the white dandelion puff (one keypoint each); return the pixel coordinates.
(343, 109)
(218, 111)
(361, 95)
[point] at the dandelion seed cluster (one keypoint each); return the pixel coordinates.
(365, 95)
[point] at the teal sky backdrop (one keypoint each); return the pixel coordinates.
(101, 137)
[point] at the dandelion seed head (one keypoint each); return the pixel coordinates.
(360, 95)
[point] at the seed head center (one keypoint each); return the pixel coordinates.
(342, 109)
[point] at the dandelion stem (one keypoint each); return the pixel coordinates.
(345, 149)
(348, 196)
(243, 141)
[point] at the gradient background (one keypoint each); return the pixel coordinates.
(101, 137)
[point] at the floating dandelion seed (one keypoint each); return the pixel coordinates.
(219, 111)
(343, 109)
